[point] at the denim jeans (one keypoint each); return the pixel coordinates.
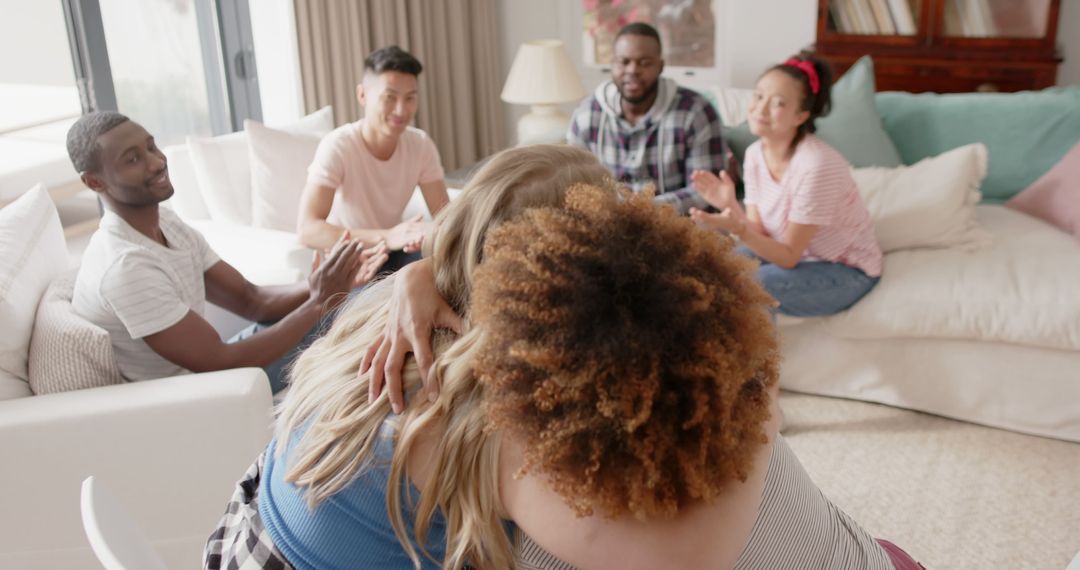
(812, 288)
(277, 371)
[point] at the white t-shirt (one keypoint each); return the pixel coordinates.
(133, 287)
(372, 193)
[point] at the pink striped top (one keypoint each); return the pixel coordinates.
(817, 189)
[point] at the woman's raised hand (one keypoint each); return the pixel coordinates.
(718, 191)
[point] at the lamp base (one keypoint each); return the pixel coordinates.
(543, 124)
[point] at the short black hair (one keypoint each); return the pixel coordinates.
(392, 58)
(82, 138)
(641, 29)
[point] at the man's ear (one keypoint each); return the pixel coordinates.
(360, 94)
(661, 67)
(92, 181)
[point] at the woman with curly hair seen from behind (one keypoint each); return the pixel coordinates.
(637, 407)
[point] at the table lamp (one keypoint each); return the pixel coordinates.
(542, 76)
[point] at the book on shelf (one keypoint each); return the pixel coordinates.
(864, 19)
(902, 17)
(841, 19)
(885, 25)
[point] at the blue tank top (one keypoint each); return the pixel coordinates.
(350, 529)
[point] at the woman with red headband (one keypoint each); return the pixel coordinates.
(803, 216)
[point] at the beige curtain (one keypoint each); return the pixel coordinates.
(457, 42)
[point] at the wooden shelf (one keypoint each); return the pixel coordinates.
(950, 50)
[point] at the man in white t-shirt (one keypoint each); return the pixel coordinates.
(146, 276)
(365, 172)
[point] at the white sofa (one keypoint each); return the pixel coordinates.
(989, 335)
(170, 449)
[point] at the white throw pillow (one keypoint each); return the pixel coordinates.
(224, 175)
(929, 204)
(32, 254)
(733, 104)
(279, 162)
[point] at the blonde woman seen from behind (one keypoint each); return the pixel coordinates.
(346, 483)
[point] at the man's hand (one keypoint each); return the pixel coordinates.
(415, 310)
(331, 280)
(414, 245)
(371, 261)
(719, 192)
(406, 233)
(726, 221)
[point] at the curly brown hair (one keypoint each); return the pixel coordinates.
(627, 350)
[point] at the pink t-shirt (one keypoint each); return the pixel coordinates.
(372, 193)
(817, 189)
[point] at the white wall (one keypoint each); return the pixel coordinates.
(34, 44)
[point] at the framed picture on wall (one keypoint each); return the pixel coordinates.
(687, 29)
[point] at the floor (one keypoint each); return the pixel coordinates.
(953, 494)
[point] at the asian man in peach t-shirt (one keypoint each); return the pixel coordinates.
(365, 172)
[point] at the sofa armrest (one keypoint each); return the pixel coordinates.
(169, 449)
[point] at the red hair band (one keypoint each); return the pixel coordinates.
(807, 68)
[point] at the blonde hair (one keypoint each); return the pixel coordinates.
(342, 427)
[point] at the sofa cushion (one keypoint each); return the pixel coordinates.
(212, 176)
(1021, 289)
(67, 352)
(1025, 133)
(32, 254)
(853, 127)
(279, 161)
(928, 204)
(1055, 196)
(223, 176)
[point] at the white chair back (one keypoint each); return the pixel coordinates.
(117, 541)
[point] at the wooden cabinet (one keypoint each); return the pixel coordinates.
(945, 46)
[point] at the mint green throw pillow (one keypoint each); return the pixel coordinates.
(853, 127)
(1025, 133)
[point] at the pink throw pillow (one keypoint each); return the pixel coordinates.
(1055, 197)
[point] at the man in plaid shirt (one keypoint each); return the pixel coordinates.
(646, 129)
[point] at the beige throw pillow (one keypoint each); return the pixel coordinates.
(68, 352)
(930, 204)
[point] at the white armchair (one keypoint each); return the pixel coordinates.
(170, 450)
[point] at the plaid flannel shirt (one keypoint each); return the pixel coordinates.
(670, 142)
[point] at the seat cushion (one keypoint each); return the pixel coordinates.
(1021, 289)
(32, 254)
(67, 352)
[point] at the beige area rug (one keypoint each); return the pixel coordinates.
(953, 494)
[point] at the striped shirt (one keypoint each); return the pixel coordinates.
(796, 527)
(817, 189)
(132, 286)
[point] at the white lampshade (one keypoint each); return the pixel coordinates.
(542, 74)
